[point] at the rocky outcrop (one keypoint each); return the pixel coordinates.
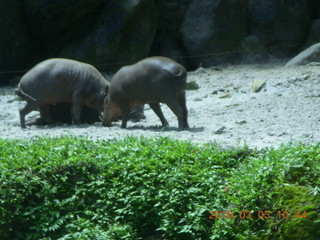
(213, 30)
(53, 23)
(253, 51)
(15, 43)
(313, 35)
(167, 41)
(311, 54)
(123, 33)
(281, 25)
(112, 33)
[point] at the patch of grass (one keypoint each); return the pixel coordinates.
(156, 188)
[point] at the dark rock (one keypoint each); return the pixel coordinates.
(54, 23)
(122, 34)
(253, 51)
(16, 48)
(313, 36)
(213, 30)
(15, 81)
(167, 42)
(241, 122)
(220, 130)
(311, 54)
(112, 33)
(281, 25)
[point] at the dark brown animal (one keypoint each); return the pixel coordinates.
(62, 80)
(152, 80)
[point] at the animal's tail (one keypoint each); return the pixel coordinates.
(178, 72)
(25, 96)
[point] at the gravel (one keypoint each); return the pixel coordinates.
(224, 109)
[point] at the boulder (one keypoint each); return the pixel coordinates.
(253, 51)
(313, 36)
(167, 42)
(53, 23)
(311, 54)
(16, 48)
(213, 30)
(122, 34)
(281, 25)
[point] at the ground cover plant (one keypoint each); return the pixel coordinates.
(157, 188)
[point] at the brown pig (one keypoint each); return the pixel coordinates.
(153, 80)
(62, 80)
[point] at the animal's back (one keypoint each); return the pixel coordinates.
(55, 80)
(149, 79)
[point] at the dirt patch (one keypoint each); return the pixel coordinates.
(224, 109)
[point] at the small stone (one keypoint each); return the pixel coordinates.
(257, 85)
(192, 86)
(241, 122)
(282, 134)
(220, 130)
(224, 95)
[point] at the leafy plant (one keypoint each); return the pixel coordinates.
(149, 188)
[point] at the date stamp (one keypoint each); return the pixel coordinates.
(260, 215)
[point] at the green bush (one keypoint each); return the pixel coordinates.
(152, 188)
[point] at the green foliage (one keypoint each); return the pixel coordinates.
(303, 209)
(192, 85)
(153, 188)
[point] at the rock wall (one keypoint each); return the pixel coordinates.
(112, 33)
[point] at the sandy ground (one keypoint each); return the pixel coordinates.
(224, 109)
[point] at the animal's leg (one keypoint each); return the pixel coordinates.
(137, 114)
(182, 102)
(24, 111)
(157, 109)
(77, 102)
(125, 114)
(179, 111)
(46, 114)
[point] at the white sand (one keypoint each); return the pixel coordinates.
(286, 110)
